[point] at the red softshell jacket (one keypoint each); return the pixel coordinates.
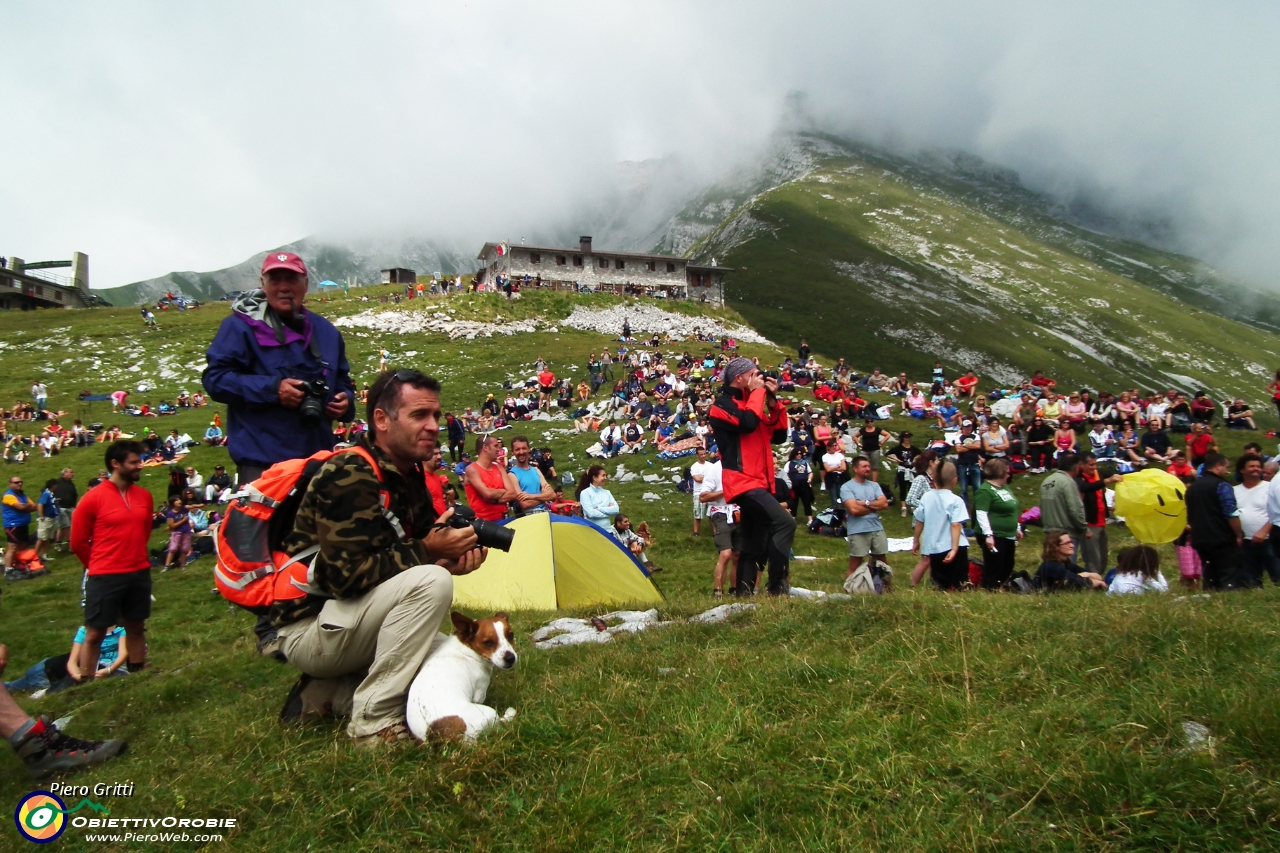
(745, 433)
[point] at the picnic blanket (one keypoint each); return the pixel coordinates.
(683, 447)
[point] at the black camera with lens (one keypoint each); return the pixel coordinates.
(488, 534)
(314, 394)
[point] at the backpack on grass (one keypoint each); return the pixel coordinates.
(251, 569)
(26, 565)
(829, 522)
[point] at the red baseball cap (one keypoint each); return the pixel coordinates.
(283, 261)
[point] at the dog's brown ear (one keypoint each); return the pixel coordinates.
(504, 617)
(463, 627)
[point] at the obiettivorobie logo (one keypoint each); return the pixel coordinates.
(41, 816)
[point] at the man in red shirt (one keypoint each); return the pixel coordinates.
(1044, 383)
(436, 482)
(967, 385)
(485, 482)
(1199, 442)
(546, 387)
(109, 533)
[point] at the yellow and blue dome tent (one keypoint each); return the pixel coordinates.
(556, 561)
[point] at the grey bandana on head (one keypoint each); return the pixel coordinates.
(738, 367)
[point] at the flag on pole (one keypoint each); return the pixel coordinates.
(502, 249)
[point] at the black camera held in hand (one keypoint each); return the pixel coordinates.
(488, 534)
(311, 410)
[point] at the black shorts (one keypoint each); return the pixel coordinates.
(20, 536)
(115, 598)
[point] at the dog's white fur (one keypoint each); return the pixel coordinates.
(454, 680)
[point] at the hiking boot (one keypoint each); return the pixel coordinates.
(17, 575)
(390, 736)
(273, 647)
(50, 751)
(308, 699)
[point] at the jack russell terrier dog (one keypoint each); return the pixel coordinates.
(445, 697)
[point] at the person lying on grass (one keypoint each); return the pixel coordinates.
(62, 671)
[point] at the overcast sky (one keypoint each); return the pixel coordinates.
(161, 136)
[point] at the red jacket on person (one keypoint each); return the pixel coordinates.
(745, 433)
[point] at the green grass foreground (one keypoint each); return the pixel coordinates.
(913, 721)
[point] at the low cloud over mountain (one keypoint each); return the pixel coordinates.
(157, 136)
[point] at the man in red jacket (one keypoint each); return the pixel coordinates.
(748, 420)
(109, 533)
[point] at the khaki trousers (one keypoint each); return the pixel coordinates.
(375, 644)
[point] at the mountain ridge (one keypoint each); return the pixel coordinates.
(1006, 264)
(875, 256)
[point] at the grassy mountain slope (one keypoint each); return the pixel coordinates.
(914, 721)
(904, 265)
(1125, 248)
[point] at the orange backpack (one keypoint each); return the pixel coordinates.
(28, 559)
(251, 570)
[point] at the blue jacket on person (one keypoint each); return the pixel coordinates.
(457, 431)
(252, 351)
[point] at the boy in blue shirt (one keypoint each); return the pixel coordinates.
(47, 523)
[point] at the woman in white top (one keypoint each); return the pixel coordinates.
(995, 440)
(834, 466)
(1139, 571)
(598, 506)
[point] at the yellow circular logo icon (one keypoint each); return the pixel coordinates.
(41, 817)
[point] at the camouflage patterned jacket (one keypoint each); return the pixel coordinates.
(358, 547)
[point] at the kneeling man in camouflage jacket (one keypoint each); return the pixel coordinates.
(382, 579)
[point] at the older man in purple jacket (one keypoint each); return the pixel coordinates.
(265, 357)
(263, 363)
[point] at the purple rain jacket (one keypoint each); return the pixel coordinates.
(251, 353)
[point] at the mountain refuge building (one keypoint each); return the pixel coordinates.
(586, 268)
(28, 285)
(399, 275)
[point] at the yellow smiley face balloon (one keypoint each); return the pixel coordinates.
(1153, 505)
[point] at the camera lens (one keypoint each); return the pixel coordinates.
(311, 411)
(490, 535)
